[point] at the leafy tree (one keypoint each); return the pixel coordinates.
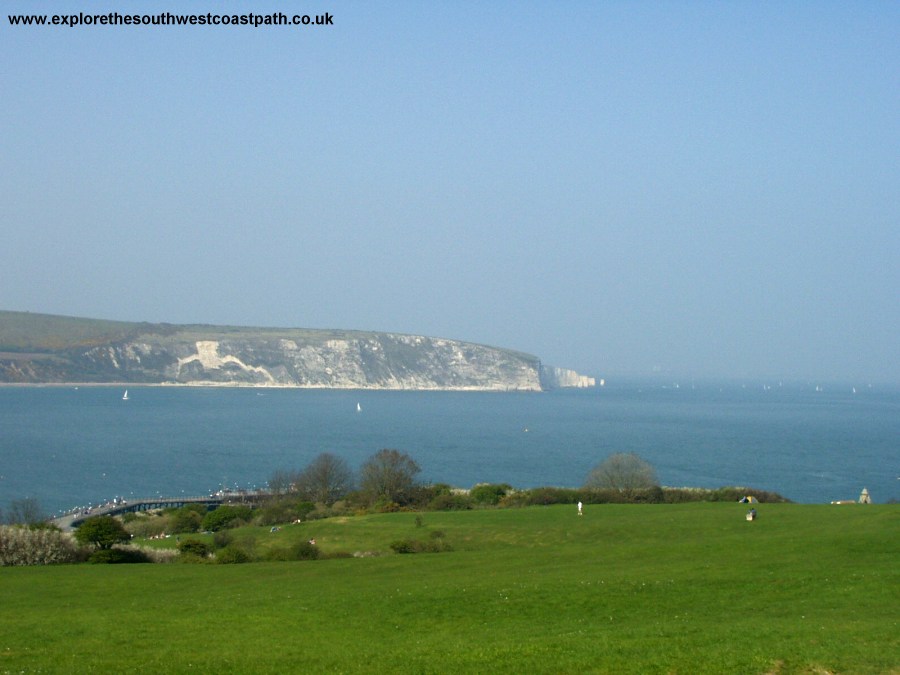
(326, 480)
(389, 476)
(225, 516)
(101, 532)
(623, 471)
(185, 519)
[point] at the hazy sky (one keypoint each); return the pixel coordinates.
(696, 188)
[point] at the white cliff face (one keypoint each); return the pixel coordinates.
(366, 361)
(86, 350)
(208, 357)
(555, 378)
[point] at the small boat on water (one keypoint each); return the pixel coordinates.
(125, 395)
(358, 408)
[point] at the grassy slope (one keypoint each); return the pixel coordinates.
(672, 589)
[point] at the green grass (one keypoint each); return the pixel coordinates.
(688, 588)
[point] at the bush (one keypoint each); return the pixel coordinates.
(194, 547)
(117, 556)
(146, 526)
(185, 520)
(232, 555)
(543, 496)
(159, 555)
(222, 538)
(304, 550)
(405, 546)
(276, 511)
(436, 545)
(225, 516)
(24, 546)
(733, 494)
(450, 502)
(489, 493)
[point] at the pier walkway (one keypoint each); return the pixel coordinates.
(73, 519)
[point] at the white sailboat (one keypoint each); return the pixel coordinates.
(358, 408)
(125, 395)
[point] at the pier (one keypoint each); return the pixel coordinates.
(73, 519)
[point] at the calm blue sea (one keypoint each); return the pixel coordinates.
(70, 447)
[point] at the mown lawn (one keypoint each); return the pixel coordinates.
(625, 589)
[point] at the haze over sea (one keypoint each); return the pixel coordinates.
(70, 446)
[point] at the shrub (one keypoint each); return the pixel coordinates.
(117, 556)
(225, 516)
(185, 520)
(276, 511)
(405, 546)
(194, 547)
(24, 546)
(651, 495)
(435, 545)
(683, 495)
(543, 496)
(303, 509)
(147, 525)
(159, 555)
(733, 494)
(385, 506)
(304, 550)
(336, 555)
(222, 538)
(450, 502)
(489, 493)
(231, 555)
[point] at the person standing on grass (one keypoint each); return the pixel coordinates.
(580, 512)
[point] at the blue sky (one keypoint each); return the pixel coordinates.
(688, 188)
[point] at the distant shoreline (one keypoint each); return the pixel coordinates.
(242, 385)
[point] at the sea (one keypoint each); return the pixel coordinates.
(69, 446)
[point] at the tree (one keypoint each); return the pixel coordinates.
(622, 471)
(101, 532)
(326, 479)
(389, 475)
(25, 511)
(224, 517)
(185, 519)
(282, 482)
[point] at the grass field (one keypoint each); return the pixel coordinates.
(689, 588)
